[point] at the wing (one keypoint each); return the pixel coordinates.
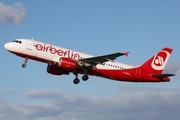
(93, 61)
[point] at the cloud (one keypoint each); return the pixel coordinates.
(45, 94)
(158, 104)
(12, 14)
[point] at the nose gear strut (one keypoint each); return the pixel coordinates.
(25, 61)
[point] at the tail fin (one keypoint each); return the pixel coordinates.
(157, 63)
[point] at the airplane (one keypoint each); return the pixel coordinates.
(62, 61)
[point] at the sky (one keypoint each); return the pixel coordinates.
(96, 27)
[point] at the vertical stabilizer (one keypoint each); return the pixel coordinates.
(157, 63)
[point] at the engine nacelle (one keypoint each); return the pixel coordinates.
(56, 70)
(67, 63)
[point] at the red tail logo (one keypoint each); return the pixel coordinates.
(160, 60)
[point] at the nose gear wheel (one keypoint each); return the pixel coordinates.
(25, 61)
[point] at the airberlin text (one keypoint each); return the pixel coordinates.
(60, 52)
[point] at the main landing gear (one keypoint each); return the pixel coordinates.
(85, 77)
(76, 80)
(25, 61)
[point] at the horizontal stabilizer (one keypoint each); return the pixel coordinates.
(160, 76)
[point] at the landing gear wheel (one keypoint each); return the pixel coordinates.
(76, 81)
(25, 61)
(85, 77)
(24, 65)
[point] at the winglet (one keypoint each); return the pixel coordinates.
(126, 53)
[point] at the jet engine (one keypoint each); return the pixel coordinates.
(68, 64)
(56, 70)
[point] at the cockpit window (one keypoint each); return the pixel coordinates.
(17, 41)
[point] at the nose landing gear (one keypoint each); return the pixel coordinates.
(25, 61)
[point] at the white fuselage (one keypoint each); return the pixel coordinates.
(49, 52)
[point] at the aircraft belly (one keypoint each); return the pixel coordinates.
(125, 75)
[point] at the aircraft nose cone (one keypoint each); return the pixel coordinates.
(7, 46)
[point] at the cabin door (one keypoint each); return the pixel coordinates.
(138, 72)
(30, 45)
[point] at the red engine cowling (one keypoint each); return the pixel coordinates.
(67, 63)
(56, 70)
